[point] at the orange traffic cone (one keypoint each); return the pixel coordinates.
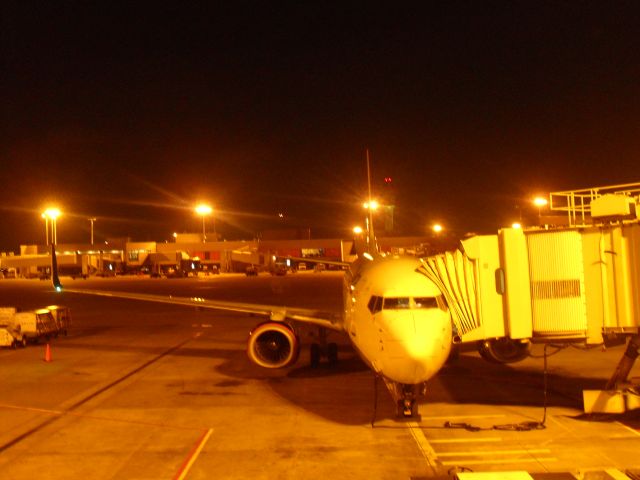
(47, 353)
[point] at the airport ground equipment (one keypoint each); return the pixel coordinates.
(36, 324)
(62, 317)
(11, 334)
(577, 283)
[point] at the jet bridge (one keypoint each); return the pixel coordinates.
(578, 283)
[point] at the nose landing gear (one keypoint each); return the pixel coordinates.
(405, 397)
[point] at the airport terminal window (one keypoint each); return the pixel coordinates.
(396, 303)
(375, 304)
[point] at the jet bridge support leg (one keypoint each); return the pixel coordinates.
(626, 364)
(618, 396)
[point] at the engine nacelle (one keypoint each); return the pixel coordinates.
(504, 350)
(273, 345)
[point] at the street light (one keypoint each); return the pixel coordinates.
(370, 206)
(46, 228)
(204, 210)
(92, 220)
(437, 228)
(51, 214)
(540, 202)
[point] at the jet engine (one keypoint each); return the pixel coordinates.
(504, 350)
(273, 345)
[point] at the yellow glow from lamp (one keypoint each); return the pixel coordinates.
(51, 213)
(204, 209)
(540, 202)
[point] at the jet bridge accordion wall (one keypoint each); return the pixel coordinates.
(569, 284)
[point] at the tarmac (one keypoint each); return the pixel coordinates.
(151, 391)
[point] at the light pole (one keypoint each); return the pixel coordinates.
(370, 206)
(92, 220)
(46, 229)
(52, 214)
(540, 202)
(204, 210)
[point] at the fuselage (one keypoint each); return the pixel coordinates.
(396, 318)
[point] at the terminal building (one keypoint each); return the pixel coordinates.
(188, 255)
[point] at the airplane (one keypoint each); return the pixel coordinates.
(396, 319)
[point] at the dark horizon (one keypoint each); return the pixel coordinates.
(133, 113)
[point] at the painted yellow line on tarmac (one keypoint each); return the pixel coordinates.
(61, 413)
(467, 440)
(423, 444)
(632, 430)
(494, 452)
(193, 455)
(455, 417)
(500, 462)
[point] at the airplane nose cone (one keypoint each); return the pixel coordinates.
(415, 345)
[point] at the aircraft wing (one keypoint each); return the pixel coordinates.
(329, 320)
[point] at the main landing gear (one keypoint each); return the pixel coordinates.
(323, 349)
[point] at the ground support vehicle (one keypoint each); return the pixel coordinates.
(11, 334)
(62, 317)
(37, 324)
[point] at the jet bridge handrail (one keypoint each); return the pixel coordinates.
(455, 275)
(577, 203)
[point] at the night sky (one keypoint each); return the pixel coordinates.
(131, 112)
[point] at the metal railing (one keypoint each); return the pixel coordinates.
(577, 203)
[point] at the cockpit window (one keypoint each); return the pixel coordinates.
(396, 303)
(426, 302)
(375, 304)
(404, 303)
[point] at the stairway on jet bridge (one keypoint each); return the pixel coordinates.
(577, 283)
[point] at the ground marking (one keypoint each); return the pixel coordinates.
(501, 462)
(632, 430)
(467, 440)
(193, 455)
(61, 413)
(455, 417)
(494, 452)
(423, 444)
